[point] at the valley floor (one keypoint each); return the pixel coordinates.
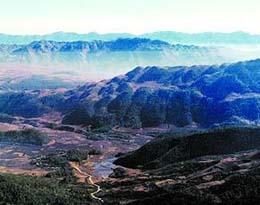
(17, 158)
(94, 179)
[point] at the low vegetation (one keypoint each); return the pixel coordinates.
(58, 162)
(4, 118)
(106, 135)
(28, 136)
(29, 190)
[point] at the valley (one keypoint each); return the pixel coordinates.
(47, 160)
(170, 168)
(129, 102)
(154, 135)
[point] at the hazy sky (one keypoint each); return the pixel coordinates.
(134, 16)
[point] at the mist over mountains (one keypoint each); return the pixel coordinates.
(103, 59)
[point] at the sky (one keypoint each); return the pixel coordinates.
(132, 16)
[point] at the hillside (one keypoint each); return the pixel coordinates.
(212, 167)
(153, 96)
(219, 141)
(180, 96)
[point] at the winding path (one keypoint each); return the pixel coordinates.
(98, 189)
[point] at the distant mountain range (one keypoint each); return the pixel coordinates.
(168, 36)
(200, 96)
(96, 60)
(109, 58)
(126, 44)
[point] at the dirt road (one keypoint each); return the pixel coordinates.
(76, 167)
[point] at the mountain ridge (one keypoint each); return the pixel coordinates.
(200, 96)
(152, 96)
(169, 36)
